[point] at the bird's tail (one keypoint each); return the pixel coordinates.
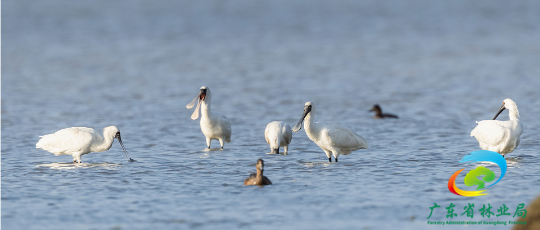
(45, 144)
(362, 141)
(42, 143)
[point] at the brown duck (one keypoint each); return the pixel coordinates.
(379, 114)
(258, 179)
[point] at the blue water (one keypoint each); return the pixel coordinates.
(440, 66)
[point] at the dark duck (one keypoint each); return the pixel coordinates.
(379, 114)
(258, 178)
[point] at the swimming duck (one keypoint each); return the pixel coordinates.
(379, 114)
(258, 178)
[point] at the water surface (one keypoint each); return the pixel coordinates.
(440, 66)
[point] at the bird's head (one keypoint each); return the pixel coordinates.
(115, 133)
(308, 108)
(260, 164)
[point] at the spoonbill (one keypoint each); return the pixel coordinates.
(77, 141)
(278, 134)
(500, 136)
(258, 178)
(379, 114)
(213, 125)
(332, 138)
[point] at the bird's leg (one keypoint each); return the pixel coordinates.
(336, 152)
(77, 157)
(208, 140)
(286, 148)
(221, 142)
(329, 155)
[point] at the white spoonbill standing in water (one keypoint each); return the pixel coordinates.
(278, 134)
(333, 138)
(77, 141)
(500, 136)
(213, 125)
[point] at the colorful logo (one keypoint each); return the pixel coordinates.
(472, 179)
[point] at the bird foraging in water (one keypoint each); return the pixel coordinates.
(77, 141)
(332, 138)
(213, 125)
(379, 114)
(278, 134)
(500, 136)
(258, 178)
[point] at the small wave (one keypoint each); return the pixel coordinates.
(280, 153)
(79, 165)
(212, 149)
(312, 164)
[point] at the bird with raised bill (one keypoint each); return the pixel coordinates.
(214, 126)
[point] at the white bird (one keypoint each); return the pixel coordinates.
(332, 138)
(213, 125)
(500, 136)
(77, 141)
(278, 134)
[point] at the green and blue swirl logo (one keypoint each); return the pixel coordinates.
(480, 175)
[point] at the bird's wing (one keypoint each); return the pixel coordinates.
(266, 133)
(519, 129)
(343, 137)
(390, 115)
(266, 181)
(287, 133)
(250, 177)
(226, 128)
(516, 132)
(70, 140)
(490, 132)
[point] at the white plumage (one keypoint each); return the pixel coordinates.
(332, 138)
(77, 141)
(278, 134)
(500, 136)
(213, 125)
